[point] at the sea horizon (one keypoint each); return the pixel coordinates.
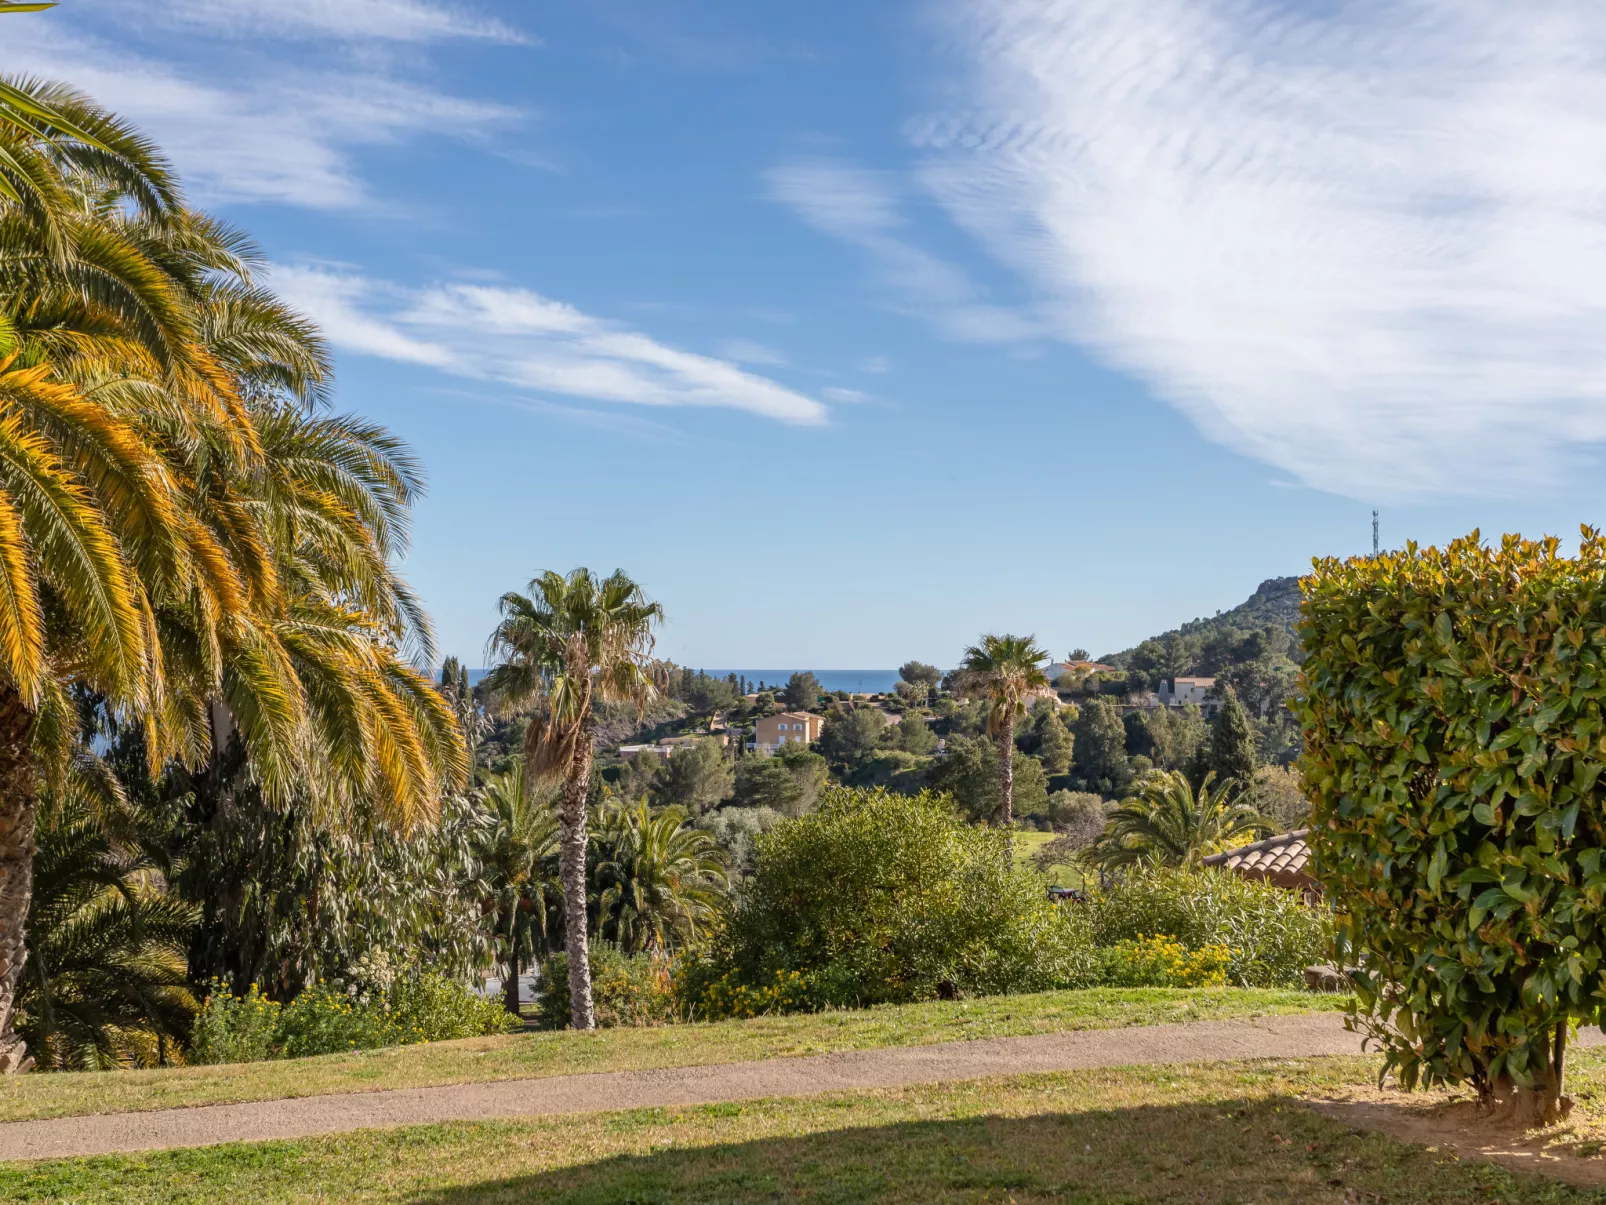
(854, 681)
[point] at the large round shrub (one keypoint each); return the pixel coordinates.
(1454, 745)
(880, 897)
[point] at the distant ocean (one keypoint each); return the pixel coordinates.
(854, 681)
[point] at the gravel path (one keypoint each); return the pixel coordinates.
(1200, 1041)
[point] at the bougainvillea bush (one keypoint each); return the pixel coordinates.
(1454, 742)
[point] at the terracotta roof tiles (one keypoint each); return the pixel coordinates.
(1281, 859)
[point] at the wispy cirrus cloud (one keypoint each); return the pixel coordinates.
(864, 208)
(745, 351)
(245, 125)
(386, 20)
(1362, 242)
(517, 337)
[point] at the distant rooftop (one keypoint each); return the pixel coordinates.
(1281, 860)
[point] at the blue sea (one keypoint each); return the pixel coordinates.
(854, 681)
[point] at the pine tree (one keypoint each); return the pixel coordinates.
(1234, 750)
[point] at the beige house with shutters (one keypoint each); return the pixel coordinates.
(790, 727)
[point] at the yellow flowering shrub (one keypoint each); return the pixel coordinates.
(728, 997)
(1163, 961)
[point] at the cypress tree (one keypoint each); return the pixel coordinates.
(1234, 750)
(1057, 744)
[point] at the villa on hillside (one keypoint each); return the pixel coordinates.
(1179, 692)
(1077, 669)
(789, 727)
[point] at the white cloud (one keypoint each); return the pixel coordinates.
(393, 20)
(262, 132)
(1364, 242)
(876, 364)
(862, 207)
(745, 351)
(519, 338)
(840, 393)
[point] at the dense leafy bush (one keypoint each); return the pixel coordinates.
(626, 989)
(1455, 743)
(879, 897)
(327, 1019)
(1271, 933)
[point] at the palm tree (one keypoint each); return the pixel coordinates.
(181, 532)
(572, 643)
(1006, 671)
(1167, 823)
(659, 881)
(514, 862)
(106, 983)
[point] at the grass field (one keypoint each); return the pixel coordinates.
(1059, 874)
(67, 1094)
(1211, 1133)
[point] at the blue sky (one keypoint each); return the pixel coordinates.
(853, 331)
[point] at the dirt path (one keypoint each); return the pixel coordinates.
(1200, 1041)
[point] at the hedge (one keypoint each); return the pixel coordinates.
(1451, 702)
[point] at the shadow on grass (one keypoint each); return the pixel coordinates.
(1255, 1150)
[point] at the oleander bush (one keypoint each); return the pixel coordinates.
(1454, 744)
(1270, 932)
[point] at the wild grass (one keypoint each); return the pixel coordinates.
(538, 1054)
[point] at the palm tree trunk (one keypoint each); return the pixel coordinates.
(1006, 787)
(18, 805)
(510, 988)
(572, 868)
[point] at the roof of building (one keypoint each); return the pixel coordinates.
(1205, 682)
(1081, 667)
(1281, 859)
(793, 715)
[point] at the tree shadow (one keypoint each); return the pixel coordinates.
(1251, 1149)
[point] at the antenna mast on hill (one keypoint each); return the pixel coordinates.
(1374, 533)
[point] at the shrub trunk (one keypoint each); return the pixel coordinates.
(18, 807)
(1541, 1103)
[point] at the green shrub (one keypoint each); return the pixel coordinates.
(626, 989)
(879, 897)
(433, 1008)
(1272, 934)
(1454, 748)
(234, 1029)
(324, 1020)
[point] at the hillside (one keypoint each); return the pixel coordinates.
(1275, 603)
(1207, 643)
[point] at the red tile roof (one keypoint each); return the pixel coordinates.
(1281, 860)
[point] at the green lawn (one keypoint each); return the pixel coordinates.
(1212, 1133)
(1060, 874)
(479, 1059)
